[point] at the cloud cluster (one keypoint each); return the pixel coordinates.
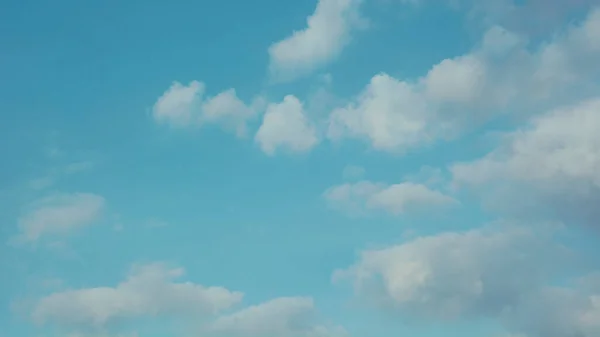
(504, 73)
(511, 273)
(285, 126)
(548, 168)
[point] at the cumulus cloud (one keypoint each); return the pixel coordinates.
(389, 114)
(151, 291)
(328, 30)
(280, 317)
(178, 106)
(286, 127)
(503, 73)
(183, 106)
(362, 196)
(148, 291)
(58, 214)
(553, 163)
(494, 272)
(452, 274)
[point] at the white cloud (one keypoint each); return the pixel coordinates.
(281, 317)
(388, 113)
(228, 109)
(498, 273)
(183, 106)
(500, 75)
(327, 32)
(456, 80)
(59, 214)
(356, 198)
(179, 105)
(149, 290)
(555, 160)
(453, 274)
(563, 144)
(285, 126)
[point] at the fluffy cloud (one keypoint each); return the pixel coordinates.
(328, 31)
(59, 214)
(553, 163)
(563, 144)
(281, 317)
(178, 106)
(149, 290)
(285, 126)
(182, 106)
(388, 113)
(502, 74)
(453, 274)
(356, 198)
(492, 272)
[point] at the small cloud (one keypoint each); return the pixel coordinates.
(42, 183)
(352, 172)
(78, 167)
(58, 214)
(361, 197)
(285, 126)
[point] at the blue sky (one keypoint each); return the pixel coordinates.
(300, 168)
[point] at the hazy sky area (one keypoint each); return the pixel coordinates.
(271, 168)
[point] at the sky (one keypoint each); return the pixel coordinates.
(314, 168)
